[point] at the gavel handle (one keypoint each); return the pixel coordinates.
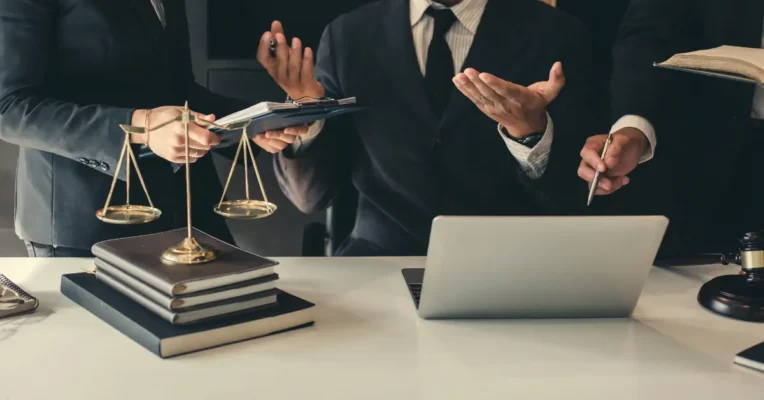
(698, 259)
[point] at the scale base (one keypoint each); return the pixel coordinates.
(245, 209)
(128, 214)
(734, 297)
(189, 252)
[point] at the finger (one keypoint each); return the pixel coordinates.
(264, 53)
(261, 141)
(277, 27)
(591, 154)
(506, 89)
(297, 130)
(295, 61)
(465, 86)
(306, 70)
(555, 83)
(281, 136)
(282, 58)
(482, 88)
(278, 144)
(202, 136)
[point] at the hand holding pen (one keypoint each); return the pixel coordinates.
(606, 170)
(290, 66)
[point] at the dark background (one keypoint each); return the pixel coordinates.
(224, 39)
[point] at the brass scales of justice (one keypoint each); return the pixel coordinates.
(188, 251)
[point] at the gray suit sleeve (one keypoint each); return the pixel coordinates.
(310, 177)
(30, 116)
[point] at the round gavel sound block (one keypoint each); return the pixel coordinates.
(740, 296)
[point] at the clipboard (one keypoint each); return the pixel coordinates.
(268, 116)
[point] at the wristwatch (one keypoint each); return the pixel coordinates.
(528, 141)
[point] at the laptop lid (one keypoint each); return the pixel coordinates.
(538, 267)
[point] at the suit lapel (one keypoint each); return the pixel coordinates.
(399, 57)
(149, 21)
(499, 39)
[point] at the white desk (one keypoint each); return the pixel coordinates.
(368, 343)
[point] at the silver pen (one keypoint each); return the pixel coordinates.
(597, 174)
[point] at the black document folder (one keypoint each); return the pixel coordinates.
(269, 116)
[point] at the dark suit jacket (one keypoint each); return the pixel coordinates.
(699, 120)
(410, 166)
(72, 71)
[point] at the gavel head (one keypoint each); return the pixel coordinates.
(752, 256)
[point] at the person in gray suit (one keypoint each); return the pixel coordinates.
(72, 71)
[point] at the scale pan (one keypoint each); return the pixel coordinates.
(128, 214)
(245, 209)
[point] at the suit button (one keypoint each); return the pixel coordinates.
(84, 160)
(104, 166)
(93, 163)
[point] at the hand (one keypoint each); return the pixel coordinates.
(521, 110)
(622, 157)
(276, 141)
(292, 68)
(169, 142)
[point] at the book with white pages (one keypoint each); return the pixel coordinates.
(745, 64)
(181, 302)
(192, 314)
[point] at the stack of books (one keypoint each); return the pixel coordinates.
(177, 309)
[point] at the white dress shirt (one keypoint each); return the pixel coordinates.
(636, 121)
(159, 8)
(459, 38)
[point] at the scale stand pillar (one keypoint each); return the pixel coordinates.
(189, 251)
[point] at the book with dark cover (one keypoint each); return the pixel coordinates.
(185, 301)
(218, 309)
(752, 357)
(167, 340)
(140, 256)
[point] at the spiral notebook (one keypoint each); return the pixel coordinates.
(271, 116)
(14, 300)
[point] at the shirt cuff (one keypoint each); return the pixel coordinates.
(637, 122)
(303, 142)
(533, 160)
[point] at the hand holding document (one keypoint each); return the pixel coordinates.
(167, 140)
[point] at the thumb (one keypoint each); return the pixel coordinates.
(556, 82)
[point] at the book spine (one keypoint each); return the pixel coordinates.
(110, 281)
(133, 270)
(111, 316)
(135, 284)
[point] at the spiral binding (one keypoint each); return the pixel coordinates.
(14, 288)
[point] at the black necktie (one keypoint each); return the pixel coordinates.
(440, 62)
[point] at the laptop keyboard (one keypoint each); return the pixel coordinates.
(416, 291)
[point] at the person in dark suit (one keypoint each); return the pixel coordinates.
(709, 129)
(505, 143)
(72, 71)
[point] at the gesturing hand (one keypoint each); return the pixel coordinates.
(622, 157)
(276, 141)
(292, 67)
(521, 110)
(169, 142)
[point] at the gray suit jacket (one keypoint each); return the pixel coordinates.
(71, 72)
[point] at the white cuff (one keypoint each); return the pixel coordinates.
(304, 141)
(637, 122)
(533, 160)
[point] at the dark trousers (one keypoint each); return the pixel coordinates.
(44, 250)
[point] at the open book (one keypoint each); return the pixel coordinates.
(731, 62)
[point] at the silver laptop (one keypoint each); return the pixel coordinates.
(535, 267)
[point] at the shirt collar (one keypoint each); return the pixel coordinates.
(468, 12)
